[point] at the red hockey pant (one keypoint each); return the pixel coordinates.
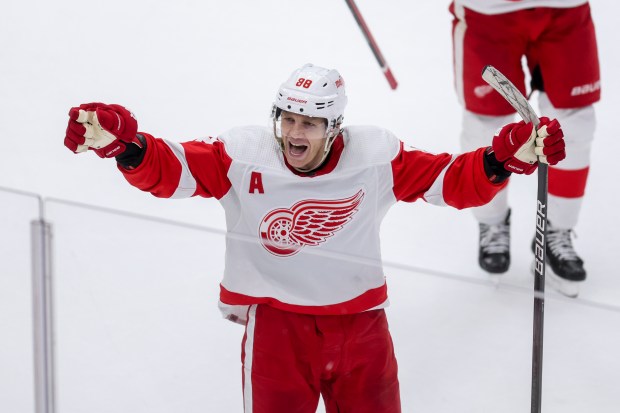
(560, 41)
(289, 359)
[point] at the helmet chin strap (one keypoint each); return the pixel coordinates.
(331, 135)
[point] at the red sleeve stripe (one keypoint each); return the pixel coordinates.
(187, 184)
(434, 195)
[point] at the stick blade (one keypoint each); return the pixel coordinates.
(511, 93)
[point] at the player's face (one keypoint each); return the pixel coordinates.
(304, 140)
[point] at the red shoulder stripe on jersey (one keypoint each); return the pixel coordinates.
(209, 165)
(415, 171)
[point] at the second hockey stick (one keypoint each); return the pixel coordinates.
(373, 45)
(501, 84)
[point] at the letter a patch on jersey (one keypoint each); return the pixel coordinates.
(256, 183)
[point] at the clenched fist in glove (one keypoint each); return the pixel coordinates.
(520, 146)
(105, 129)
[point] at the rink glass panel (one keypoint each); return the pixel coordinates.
(16, 350)
(137, 326)
(137, 323)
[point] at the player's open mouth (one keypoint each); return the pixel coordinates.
(297, 151)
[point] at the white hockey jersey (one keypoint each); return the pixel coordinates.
(307, 242)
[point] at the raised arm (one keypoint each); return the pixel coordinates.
(164, 168)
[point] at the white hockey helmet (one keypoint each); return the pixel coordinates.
(312, 91)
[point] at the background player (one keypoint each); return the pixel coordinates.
(558, 40)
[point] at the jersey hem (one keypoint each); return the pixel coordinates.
(371, 299)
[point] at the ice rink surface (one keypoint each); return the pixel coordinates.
(137, 324)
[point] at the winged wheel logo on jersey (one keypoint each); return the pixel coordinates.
(284, 232)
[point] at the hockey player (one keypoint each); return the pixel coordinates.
(304, 201)
(557, 38)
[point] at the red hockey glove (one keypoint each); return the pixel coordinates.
(514, 146)
(550, 145)
(105, 129)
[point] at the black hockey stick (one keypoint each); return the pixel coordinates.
(373, 45)
(505, 88)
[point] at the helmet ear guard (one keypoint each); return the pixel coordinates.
(276, 123)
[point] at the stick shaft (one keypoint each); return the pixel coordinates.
(387, 72)
(510, 92)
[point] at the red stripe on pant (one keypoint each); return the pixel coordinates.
(568, 183)
(294, 358)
